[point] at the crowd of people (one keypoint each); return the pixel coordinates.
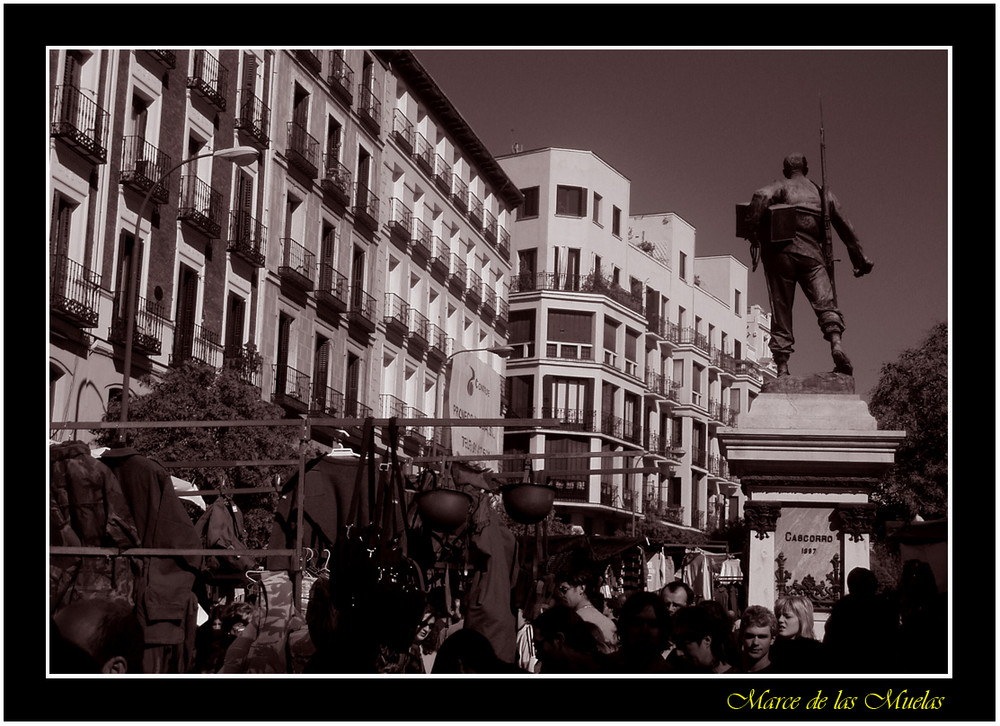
(573, 630)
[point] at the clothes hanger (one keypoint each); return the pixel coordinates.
(325, 567)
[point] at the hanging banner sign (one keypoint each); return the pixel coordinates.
(473, 391)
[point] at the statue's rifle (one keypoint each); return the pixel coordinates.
(825, 206)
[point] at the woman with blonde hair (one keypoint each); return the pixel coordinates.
(796, 649)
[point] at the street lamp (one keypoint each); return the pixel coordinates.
(239, 155)
(504, 351)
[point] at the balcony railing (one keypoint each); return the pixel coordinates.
(353, 408)
(392, 406)
(402, 130)
(369, 109)
(310, 58)
(336, 179)
(75, 291)
(302, 150)
(504, 244)
(422, 239)
(80, 122)
(247, 238)
(423, 153)
(440, 345)
(297, 264)
(254, 119)
(503, 313)
(167, 57)
(291, 387)
(422, 434)
(362, 310)
(147, 335)
(571, 419)
(366, 206)
(326, 400)
(341, 78)
(473, 287)
(569, 490)
(197, 343)
(246, 362)
(420, 328)
(332, 288)
(400, 222)
(396, 314)
(459, 192)
(490, 225)
(200, 206)
(209, 79)
(475, 210)
(442, 174)
(488, 310)
(592, 283)
(457, 275)
(440, 257)
(142, 166)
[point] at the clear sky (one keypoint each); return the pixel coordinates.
(696, 131)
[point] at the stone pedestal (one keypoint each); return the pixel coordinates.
(808, 454)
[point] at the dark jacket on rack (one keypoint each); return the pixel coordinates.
(489, 596)
(165, 592)
(87, 508)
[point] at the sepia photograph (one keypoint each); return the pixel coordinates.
(506, 382)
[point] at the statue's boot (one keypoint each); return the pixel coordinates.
(782, 362)
(841, 363)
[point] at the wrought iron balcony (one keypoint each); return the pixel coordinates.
(297, 264)
(369, 109)
(400, 223)
(326, 400)
(142, 166)
(442, 174)
(440, 257)
(74, 292)
(247, 238)
(504, 244)
(331, 291)
(396, 315)
(422, 434)
(353, 408)
(246, 362)
(302, 150)
(196, 343)
(593, 283)
(310, 58)
(475, 211)
(80, 122)
(503, 314)
(570, 419)
(402, 130)
(699, 458)
(209, 79)
(490, 226)
(440, 343)
(200, 206)
(254, 119)
(147, 335)
(291, 388)
(362, 310)
(421, 239)
(420, 328)
(341, 78)
(457, 273)
(365, 206)
(392, 406)
(488, 310)
(336, 179)
(166, 57)
(575, 490)
(423, 154)
(473, 288)
(459, 192)
(657, 384)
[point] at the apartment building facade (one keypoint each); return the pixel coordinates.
(337, 273)
(636, 344)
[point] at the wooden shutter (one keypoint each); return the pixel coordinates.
(234, 325)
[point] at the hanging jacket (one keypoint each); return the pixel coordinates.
(87, 508)
(163, 593)
(221, 526)
(490, 590)
(263, 647)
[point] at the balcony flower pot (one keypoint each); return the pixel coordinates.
(443, 510)
(528, 502)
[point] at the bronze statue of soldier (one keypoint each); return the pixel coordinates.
(786, 223)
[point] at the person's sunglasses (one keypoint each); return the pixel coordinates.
(564, 589)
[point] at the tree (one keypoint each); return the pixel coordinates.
(912, 395)
(197, 392)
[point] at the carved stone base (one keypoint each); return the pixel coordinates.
(814, 383)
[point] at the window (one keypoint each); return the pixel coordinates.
(529, 207)
(597, 208)
(682, 266)
(737, 303)
(567, 326)
(571, 201)
(616, 221)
